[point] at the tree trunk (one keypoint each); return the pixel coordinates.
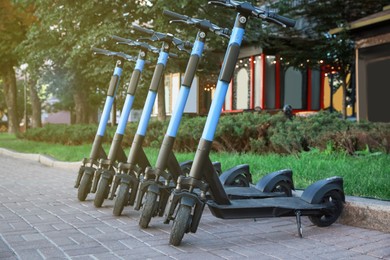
(81, 108)
(10, 93)
(35, 104)
(92, 115)
(161, 114)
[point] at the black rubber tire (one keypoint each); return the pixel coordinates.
(180, 225)
(239, 181)
(101, 193)
(335, 199)
(283, 186)
(121, 199)
(84, 187)
(148, 209)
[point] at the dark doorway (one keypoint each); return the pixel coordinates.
(374, 83)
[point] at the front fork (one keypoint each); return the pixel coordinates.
(105, 170)
(152, 183)
(82, 169)
(184, 194)
(126, 174)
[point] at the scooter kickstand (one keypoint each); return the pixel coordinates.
(299, 224)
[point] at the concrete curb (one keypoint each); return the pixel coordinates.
(366, 213)
(359, 212)
(43, 159)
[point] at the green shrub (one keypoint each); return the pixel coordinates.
(259, 133)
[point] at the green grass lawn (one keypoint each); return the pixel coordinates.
(366, 175)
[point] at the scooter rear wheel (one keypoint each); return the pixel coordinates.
(180, 225)
(148, 209)
(239, 181)
(283, 186)
(121, 200)
(84, 187)
(101, 192)
(334, 199)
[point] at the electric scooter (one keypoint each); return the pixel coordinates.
(88, 167)
(158, 182)
(322, 201)
(129, 173)
(106, 169)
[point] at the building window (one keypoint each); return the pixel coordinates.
(258, 82)
(293, 88)
(241, 85)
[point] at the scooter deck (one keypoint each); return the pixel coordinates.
(264, 208)
(250, 192)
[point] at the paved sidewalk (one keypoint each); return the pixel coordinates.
(41, 218)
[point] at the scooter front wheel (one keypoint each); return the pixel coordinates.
(335, 201)
(180, 225)
(121, 200)
(148, 209)
(101, 192)
(84, 187)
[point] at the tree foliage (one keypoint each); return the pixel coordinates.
(55, 38)
(15, 18)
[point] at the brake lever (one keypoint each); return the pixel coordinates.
(278, 22)
(182, 48)
(127, 43)
(221, 33)
(97, 51)
(152, 39)
(178, 21)
(266, 16)
(224, 32)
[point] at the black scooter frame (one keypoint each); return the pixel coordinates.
(128, 175)
(158, 183)
(322, 201)
(107, 167)
(89, 165)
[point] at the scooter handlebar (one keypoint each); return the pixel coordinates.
(139, 44)
(142, 30)
(202, 24)
(224, 3)
(175, 15)
(276, 18)
(167, 37)
(120, 39)
(249, 9)
(113, 53)
(101, 51)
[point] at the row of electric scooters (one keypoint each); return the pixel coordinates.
(180, 191)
